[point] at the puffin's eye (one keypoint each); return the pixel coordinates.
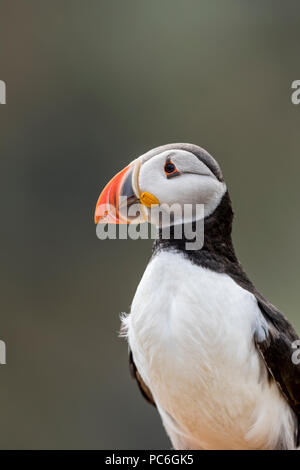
(170, 169)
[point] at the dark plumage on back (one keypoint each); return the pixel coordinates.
(141, 384)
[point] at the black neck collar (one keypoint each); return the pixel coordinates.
(217, 237)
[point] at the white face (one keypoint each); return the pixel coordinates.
(179, 177)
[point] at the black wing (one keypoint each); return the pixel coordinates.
(141, 384)
(278, 346)
(277, 352)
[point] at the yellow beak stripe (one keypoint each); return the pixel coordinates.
(148, 199)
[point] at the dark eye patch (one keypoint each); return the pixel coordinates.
(170, 169)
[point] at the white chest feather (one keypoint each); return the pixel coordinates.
(191, 334)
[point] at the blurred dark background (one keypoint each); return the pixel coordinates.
(90, 86)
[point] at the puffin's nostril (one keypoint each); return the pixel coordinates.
(127, 189)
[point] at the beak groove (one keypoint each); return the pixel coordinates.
(107, 205)
(118, 196)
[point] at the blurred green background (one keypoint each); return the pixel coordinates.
(90, 86)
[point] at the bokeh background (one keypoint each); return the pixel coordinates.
(90, 86)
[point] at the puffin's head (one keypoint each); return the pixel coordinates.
(174, 174)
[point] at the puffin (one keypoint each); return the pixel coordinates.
(205, 347)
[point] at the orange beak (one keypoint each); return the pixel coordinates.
(110, 207)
